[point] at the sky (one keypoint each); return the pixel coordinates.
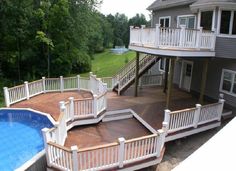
(129, 7)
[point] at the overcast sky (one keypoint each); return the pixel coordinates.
(129, 7)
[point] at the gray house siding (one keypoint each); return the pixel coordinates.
(213, 78)
(173, 12)
(226, 47)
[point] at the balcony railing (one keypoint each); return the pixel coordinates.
(173, 38)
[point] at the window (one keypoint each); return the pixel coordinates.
(188, 21)
(228, 82)
(164, 21)
(206, 20)
(228, 22)
(162, 64)
(225, 22)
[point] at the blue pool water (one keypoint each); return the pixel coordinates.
(20, 137)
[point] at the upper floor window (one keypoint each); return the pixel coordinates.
(206, 20)
(187, 20)
(228, 82)
(228, 22)
(165, 21)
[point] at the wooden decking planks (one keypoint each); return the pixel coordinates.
(105, 132)
(151, 102)
(49, 102)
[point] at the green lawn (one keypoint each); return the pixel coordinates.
(106, 64)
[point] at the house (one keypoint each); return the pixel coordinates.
(198, 37)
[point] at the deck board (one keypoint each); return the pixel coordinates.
(49, 102)
(105, 132)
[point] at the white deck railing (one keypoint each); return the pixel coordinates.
(193, 117)
(109, 156)
(177, 38)
(28, 90)
(151, 80)
(130, 74)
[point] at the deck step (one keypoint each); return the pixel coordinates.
(227, 114)
(117, 116)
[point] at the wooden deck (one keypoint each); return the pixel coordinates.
(150, 104)
(105, 132)
(49, 102)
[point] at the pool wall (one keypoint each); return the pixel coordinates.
(38, 162)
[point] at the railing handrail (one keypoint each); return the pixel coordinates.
(147, 56)
(183, 110)
(98, 147)
(59, 146)
(140, 138)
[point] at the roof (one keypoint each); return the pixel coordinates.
(201, 4)
(161, 4)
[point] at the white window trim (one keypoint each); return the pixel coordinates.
(164, 61)
(213, 21)
(189, 15)
(230, 24)
(222, 79)
(165, 17)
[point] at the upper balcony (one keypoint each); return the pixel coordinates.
(168, 41)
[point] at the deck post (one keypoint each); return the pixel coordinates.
(61, 84)
(165, 127)
(182, 35)
(222, 101)
(157, 35)
(136, 75)
(72, 112)
(75, 164)
(166, 74)
(130, 31)
(6, 96)
(121, 152)
(95, 105)
(197, 115)
(199, 35)
(167, 116)
(27, 90)
(160, 141)
(44, 84)
(78, 82)
(170, 80)
(142, 33)
(203, 82)
(46, 139)
(90, 81)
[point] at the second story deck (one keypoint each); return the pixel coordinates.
(168, 41)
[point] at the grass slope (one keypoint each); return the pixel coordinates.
(106, 64)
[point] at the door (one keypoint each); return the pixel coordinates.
(186, 75)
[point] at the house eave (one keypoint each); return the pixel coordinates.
(212, 5)
(173, 53)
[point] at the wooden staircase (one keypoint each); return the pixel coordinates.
(126, 76)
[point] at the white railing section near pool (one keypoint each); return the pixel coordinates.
(109, 156)
(28, 90)
(179, 38)
(193, 117)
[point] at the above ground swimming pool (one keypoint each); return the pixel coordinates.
(20, 137)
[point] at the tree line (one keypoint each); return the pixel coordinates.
(56, 37)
